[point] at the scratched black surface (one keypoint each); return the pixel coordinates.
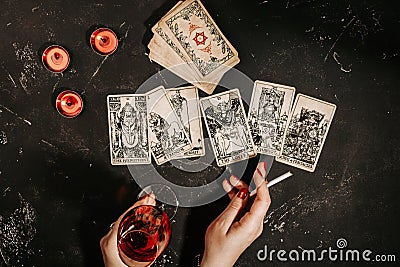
(58, 192)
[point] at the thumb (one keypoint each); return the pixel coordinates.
(227, 217)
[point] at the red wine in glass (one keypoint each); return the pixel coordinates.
(143, 234)
(139, 246)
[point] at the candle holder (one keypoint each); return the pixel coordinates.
(104, 41)
(69, 104)
(55, 58)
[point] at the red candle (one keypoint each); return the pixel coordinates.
(55, 58)
(104, 41)
(69, 104)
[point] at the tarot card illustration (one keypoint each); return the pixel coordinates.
(268, 115)
(128, 129)
(167, 136)
(227, 127)
(185, 101)
(306, 132)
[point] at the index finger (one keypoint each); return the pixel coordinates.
(262, 200)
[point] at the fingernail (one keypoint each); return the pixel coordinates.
(242, 194)
(259, 172)
(227, 184)
(235, 177)
(265, 165)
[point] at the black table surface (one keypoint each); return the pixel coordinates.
(59, 193)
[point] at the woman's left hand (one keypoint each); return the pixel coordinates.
(108, 243)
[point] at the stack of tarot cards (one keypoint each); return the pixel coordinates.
(167, 124)
(189, 43)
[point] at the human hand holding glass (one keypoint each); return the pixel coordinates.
(143, 234)
(140, 235)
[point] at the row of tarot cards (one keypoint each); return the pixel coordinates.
(167, 124)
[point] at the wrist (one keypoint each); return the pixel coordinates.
(207, 261)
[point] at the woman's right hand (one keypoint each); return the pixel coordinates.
(228, 236)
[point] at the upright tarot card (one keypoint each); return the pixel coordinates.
(306, 132)
(167, 136)
(227, 127)
(128, 129)
(268, 115)
(185, 101)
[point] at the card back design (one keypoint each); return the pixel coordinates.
(164, 36)
(199, 36)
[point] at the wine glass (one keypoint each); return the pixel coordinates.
(143, 234)
(166, 199)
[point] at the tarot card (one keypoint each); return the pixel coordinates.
(306, 132)
(227, 127)
(167, 137)
(268, 115)
(194, 31)
(158, 31)
(185, 101)
(163, 55)
(166, 53)
(127, 120)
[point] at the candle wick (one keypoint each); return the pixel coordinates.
(57, 58)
